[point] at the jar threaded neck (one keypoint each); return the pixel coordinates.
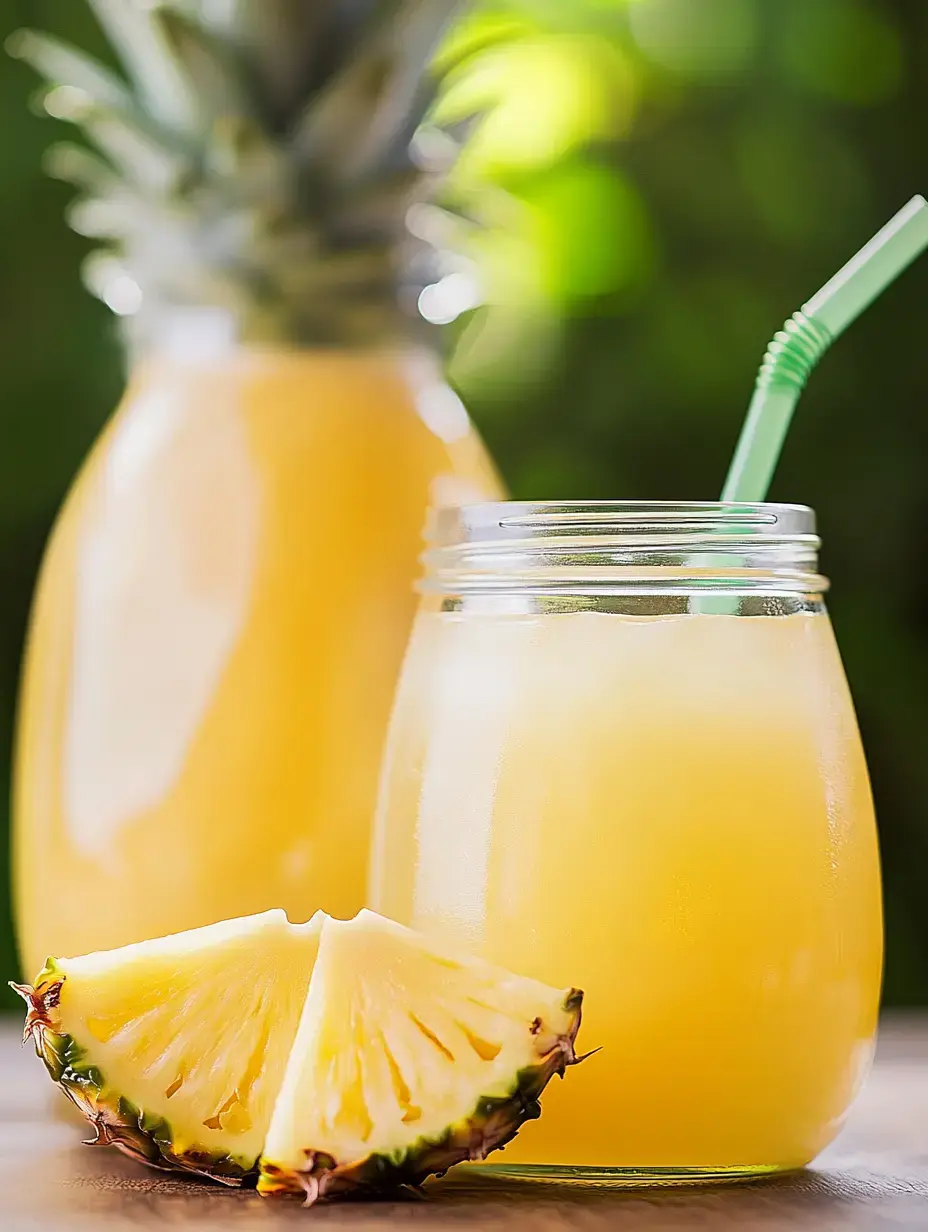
(623, 547)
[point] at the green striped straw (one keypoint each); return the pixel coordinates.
(804, 339)
(792, 356)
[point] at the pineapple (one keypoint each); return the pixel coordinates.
(227, 594)
(408, 1060)
(175, 1049)
(340, 1057)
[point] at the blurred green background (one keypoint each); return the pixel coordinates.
(659, 183)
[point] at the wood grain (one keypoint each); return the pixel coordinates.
(874, 1178)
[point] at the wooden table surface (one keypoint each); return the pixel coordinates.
(875, 1177)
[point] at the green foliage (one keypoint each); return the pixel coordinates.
(658, 184)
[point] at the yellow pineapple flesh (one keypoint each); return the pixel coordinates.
(409, 1059)
(175, 1049)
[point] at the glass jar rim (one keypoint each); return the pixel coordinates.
(618, 546)
(507, 521)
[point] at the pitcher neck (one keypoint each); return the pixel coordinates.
(213, 334)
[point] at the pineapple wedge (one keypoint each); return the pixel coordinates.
(175, 1049)
(350, 1056)
(408, 1059)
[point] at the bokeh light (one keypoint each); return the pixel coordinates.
(696, 38)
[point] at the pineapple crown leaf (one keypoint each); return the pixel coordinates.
(77, 165)
(355, 120)
(285, 42)
(376, 102)
(62, 65)
(84, 92)
(224, 82)
(255, 156)
(138, 35)
(142, 161)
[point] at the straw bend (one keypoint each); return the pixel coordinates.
(794, 353)
(804, 339)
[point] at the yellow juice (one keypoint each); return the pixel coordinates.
(215, 641)
(673, 813)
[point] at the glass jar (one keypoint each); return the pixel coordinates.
(624, 756)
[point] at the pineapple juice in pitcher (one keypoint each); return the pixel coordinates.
(215, 642)
(227, 593)
(624, 751)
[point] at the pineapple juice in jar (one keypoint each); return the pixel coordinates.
(624, 755)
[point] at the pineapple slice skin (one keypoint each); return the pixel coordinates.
(115, 1120)
(494, 1122)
